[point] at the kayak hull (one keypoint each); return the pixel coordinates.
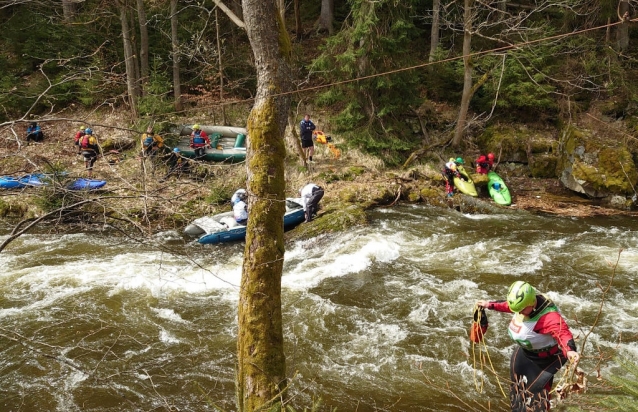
(502, 196)
(465, 185)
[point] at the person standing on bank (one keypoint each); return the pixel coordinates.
(77, 137)
(151, 143)
(306, 127)
(544, 340)
(90, 149)
(199, 141)
(311, 194)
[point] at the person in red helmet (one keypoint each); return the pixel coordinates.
(482, 166)
(484, 163)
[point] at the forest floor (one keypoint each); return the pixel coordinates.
(165, 204)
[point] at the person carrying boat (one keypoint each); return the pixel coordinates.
(199, 141)
(545, 344)
(77, 137)
(311, 194)
(306, 127)
(450, 172)
(240, 212)
(34, 133)
(89, 149)
(151, 143)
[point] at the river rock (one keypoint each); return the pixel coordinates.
(595, 167)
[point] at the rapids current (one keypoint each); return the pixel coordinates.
(375, 319)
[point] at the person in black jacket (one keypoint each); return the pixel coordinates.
(306, 127)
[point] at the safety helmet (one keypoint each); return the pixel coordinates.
(497, 186)
(459, 160)
(195, 127)
(490, 156)
(451, 160)
(520, 296)
(82, 127)
(481, 159)
(176, 150)
(88, 130)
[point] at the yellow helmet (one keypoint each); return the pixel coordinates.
(195, 127)
(82, 127)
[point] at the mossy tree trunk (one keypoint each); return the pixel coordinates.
(261, 377)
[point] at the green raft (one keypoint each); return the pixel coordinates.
(501, 196)
(465, 186)
(228, 144)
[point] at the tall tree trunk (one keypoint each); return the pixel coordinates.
(326, 16)
(434, 34)
(144, 67)
(467, 77)
(298, 27)
(281, 6)
(177, 84)
(69, 9)
(623, 28)
(221, 67)
(129, 58)
(136, 57)
(261, 376)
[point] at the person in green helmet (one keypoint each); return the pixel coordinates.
(545, 344)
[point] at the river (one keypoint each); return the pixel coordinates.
(375, 319)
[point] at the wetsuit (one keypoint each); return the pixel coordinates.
(544, 340)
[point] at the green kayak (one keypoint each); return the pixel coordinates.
(465, 185)
(501, 195)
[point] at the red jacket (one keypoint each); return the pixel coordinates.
(551, 323)
(199, 140)
(79, 134)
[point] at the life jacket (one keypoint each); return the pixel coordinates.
(87, 141)
(521, 331)
(198, 139)
(148, 141)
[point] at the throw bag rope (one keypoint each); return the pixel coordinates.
(479, 326)
(477, 334)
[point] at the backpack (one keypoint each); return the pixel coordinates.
(87, 141)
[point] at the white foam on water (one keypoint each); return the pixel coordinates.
(166, 337)
(169, 314)
(353, 254)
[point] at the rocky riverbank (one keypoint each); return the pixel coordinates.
(138, 195)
